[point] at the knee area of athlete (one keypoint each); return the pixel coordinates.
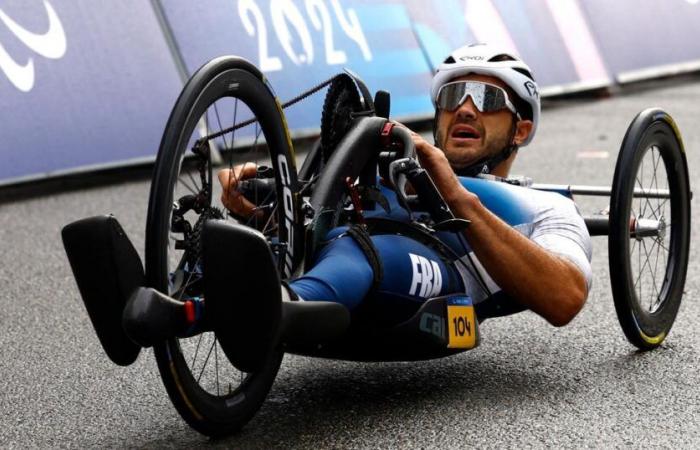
(341, 274)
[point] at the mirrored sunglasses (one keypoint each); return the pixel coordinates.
(486, 97)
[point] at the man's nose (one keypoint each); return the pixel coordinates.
(467, 109)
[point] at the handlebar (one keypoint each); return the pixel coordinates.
(405, 169)
(357, 154)
(261, 188)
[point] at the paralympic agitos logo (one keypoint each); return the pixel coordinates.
(50, 44)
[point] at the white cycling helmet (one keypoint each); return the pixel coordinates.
(484, 59)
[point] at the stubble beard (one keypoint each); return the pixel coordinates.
(490, 148)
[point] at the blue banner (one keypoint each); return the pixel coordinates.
(90, 84)
(82, 84)
(644, 39)
(299, 44)
(539, 31)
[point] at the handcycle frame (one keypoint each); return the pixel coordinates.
(109, 271)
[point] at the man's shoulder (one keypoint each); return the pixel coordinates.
(517, 204)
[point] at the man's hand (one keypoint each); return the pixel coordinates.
(434, 161)
(232, 199)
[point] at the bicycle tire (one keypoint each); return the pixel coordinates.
(653, 133)
(224, 83)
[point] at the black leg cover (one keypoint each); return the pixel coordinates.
(241, 293)
(108, 270)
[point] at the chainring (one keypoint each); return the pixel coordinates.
(342, 100)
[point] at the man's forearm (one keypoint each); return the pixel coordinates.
(544, 282)
(549, 285)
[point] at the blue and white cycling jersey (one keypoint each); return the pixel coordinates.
(546, 218)
(414, 272)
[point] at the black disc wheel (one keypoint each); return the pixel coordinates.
(649, 228)
(226, 115)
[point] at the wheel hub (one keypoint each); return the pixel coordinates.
(642, 228)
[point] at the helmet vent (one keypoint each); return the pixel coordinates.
(524, 72)
(502, 57)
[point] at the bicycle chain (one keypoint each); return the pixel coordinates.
(285, 105)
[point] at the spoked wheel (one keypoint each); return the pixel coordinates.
(225, 111)
(649, 228)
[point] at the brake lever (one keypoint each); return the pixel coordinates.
(407, 170)
(397, 176)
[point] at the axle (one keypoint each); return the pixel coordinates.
(602, 191)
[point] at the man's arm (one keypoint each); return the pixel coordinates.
(546, 283)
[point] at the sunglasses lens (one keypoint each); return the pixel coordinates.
(452, 95)
(495, 100)
(486, 97)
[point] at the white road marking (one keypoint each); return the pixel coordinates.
(593, 154)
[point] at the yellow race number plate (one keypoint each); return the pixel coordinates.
(461, 326)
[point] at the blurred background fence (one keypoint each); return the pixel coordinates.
(88, 85)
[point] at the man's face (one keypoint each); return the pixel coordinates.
(467, 135)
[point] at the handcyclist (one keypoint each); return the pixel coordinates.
(531, 249)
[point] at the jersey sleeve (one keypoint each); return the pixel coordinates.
(562, 231)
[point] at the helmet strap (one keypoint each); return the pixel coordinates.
(435, 125)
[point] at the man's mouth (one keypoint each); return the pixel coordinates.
(463, 132)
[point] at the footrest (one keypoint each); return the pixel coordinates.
(107, 270)
(241, 292)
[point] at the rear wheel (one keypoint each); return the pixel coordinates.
(225, 112)
(649, 228)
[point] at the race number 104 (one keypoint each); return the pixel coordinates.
(461, 327)
(285, 14)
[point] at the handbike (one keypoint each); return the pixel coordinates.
(228, 111)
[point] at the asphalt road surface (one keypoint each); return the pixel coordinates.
(527, 385)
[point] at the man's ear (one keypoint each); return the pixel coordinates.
(523, 128)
